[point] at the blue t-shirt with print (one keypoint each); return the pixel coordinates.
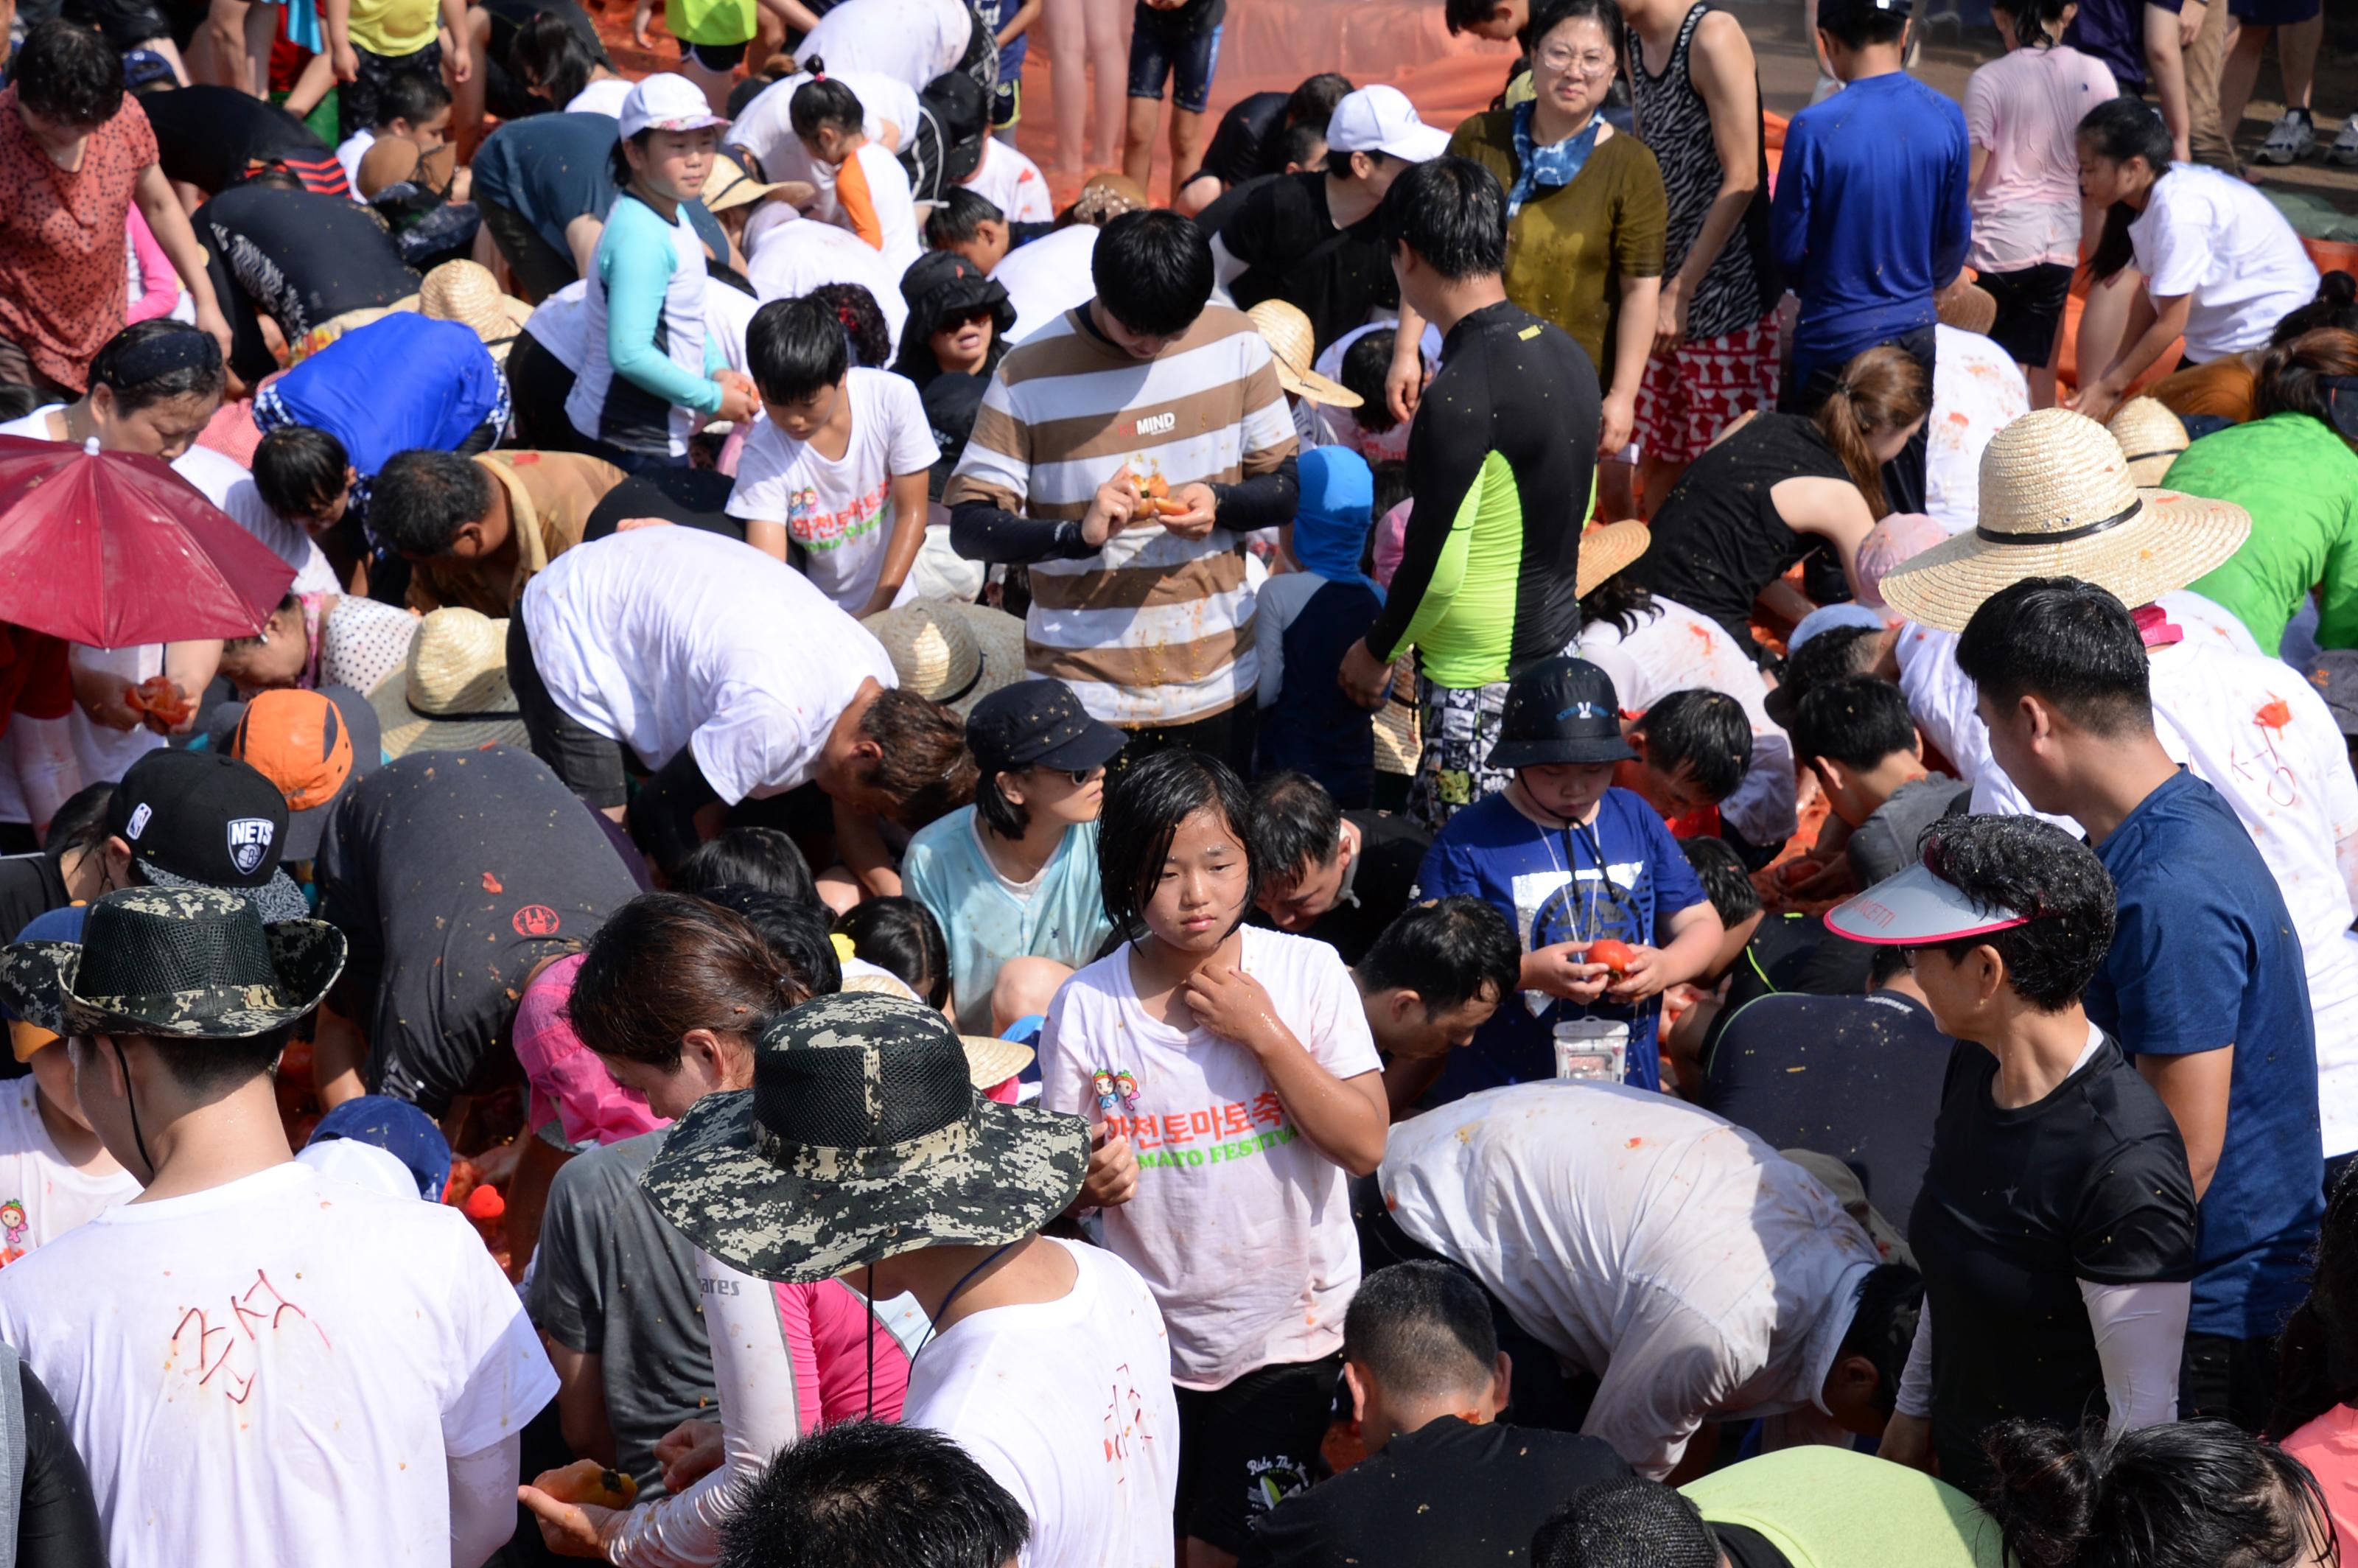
(2204, 956)
(1548, 883)
(995, 14)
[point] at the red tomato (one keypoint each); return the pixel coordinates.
(1615, 955)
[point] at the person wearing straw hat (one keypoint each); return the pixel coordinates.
(451, 693)
(2056, 1224)
(956, 654)
(466, 292)
(2151, 437)
(475, 529)
(1287, 331)
(862, 1152)
(251, 1300)
(2204, 986)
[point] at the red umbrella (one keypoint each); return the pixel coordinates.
(113, 550)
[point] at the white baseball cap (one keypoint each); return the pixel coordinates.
(667, 103)
(1380, 119)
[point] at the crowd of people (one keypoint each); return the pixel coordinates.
(805, 846)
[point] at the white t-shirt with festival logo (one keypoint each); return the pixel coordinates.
(41, 1197)
(839, 509)
(1068, 1405)
(1229, 1190)
(276, 1368)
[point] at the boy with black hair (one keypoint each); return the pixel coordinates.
(1870, 219)
(1693, 748)
(969, 223)
(475, 530)
(837, 469)
(1857, 736)
(303, 473)
(1334, 875)
(1430, 982)
(874, 1494)
(1256, 137)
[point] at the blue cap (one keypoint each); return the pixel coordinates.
(398, 1128)
(1827, 617)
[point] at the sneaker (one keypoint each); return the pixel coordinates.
(2344, 149)
(2290, 139)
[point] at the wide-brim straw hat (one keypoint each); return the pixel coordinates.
(2152, 436)
(956, 654)
(731, 184)
(453, 694)
(1606, 550)
(991, 1061)
(1294, 347)
(2056, 500)
(1972, 308)
(466, 292)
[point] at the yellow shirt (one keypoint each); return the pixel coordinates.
(392, 28)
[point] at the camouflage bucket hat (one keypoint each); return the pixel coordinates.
(861, 1139)
(175, 963)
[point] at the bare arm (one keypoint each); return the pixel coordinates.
(483, 1500)
(908, 535)
(41, 751)
(1405, 382)
(2098, 400)
(170, 224)
(1633, 341)
(336, 21)
(456, 58)
(1832, 510)
(1026, 15)
(2194, 1087)
(860, 846)
(581, 1402)
(581, 236)
(1720, 64)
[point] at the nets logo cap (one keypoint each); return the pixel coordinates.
(201, 817)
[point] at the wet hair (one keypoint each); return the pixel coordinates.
(796, 348)
(1621, 601)
(1857, 722)
(1859, 26)
(1464, 16)
(1423, 1329)
(2038, 24)
(69, 75)
(2120, 129)
(958, 217)
(271, 177)
(1884, 966)
(2028, 866)
(1152, 269)
(150, 362)
(1452, 212)
(2190, 1493)
(862, 321)
(16, 400)
(79, 823)
(211, 1066)
(416, 96)
(1705, 731)
(1834, 653)
(1365, 364)
(1724, 881)
(2317, 1365)
(1450, 952)
(902, 936)
(2336, 305)
(666, 963)
(825, 104)
(2292, 376)
(551, 55)
(872, 1494)
(299, 470)
(1628, 1523)
(1296, 825)
(1883, 1325)
(1303, 145)
(1883, 389)
(798, 932)
(1312, 102)
(926, 771)
(422, 498)
(2070, 643)
(763, 858)
(1144, 808)
(1547, 15)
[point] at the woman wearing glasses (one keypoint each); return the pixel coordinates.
(2056, 1223)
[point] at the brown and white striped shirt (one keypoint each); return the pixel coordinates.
(1152, 629)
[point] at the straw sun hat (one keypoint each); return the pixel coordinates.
(1972, 308)
(1295, 349)
(1607, 548)
(2150, 434)
(953, 654)
(467, 293)
(453, 695)
(2056, 500)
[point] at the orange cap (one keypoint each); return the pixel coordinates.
(296, 739)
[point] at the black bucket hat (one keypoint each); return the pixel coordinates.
(942, 286)
(184, 963)
(863, 1138)
(1561, 710)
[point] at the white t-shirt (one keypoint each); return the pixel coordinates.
(1682, 1260)
(276, 1369)
(1047, 277)
(41, 1197)
(840, 511)
(2206, 234)
(1229, 1189)
(1013, 183)
(1977, 391)
(912, 41)
(603, 96)
(799, 255)
(348, 152)
(1678, 650)
(670, 637)
(894, 204)
(2025, 108)
(766, 128)
(1068, 1405)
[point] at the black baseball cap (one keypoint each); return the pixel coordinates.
(202, 820)
(1842, 10)
(1038, 723)
(1561, 710)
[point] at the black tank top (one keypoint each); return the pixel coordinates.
(1675, 124)
(1718, 540)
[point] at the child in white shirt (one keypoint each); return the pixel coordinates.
(872, 190)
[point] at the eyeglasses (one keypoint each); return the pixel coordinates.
(1563, 62)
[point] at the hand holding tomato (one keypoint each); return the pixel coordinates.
(1640, 973)
(1561, 971)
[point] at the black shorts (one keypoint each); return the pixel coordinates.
(1248, 1448)
(719, 59)
(590, 765)
(2030, 311)
(540, 268)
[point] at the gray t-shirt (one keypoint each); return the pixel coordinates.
(1885, 844)
(612, 1280)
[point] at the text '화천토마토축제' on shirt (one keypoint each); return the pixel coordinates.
(1227, 1188)
(1620, 876)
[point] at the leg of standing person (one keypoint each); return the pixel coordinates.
(1064, 26)
(1109, 45)
(2165, 60)
(1152, 58)
(1189, 96)
(2209, 140)
(2294, 136)
(2239, 72)
(1452, 771)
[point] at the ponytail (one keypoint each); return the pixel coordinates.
(2042, 1491)
(823, 102)
(2300, 377)
(2336, 305)
(2121, 129)
(2038, 24)
(1882, 389)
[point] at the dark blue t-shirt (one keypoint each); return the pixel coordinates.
(1548, 882)
(2205, 957)
(549, 169)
